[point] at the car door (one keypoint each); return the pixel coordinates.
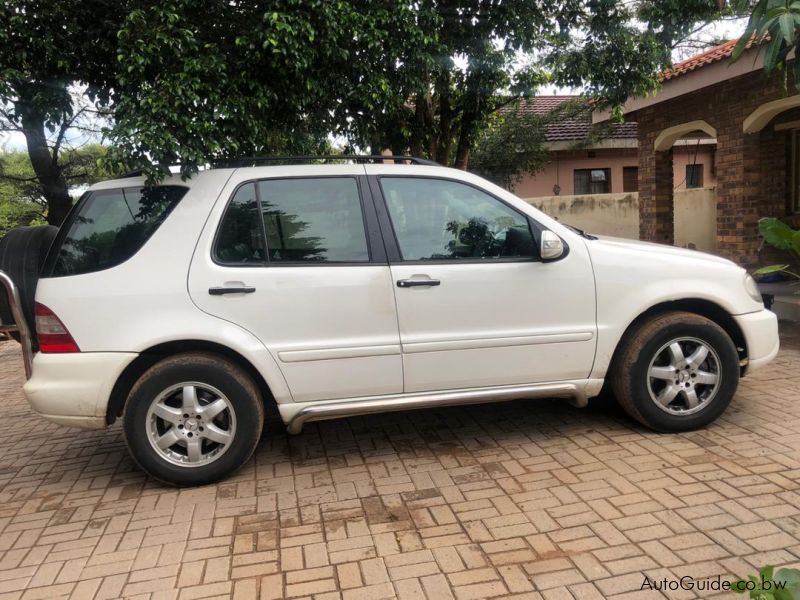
(296, 259)
(476, 306)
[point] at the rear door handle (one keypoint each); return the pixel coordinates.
(405, 283)
(221, 291)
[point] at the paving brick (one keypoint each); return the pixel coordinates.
(428, 504)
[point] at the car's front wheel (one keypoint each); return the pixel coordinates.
(676, 372)
(193, 419)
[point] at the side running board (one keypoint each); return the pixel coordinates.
(366, 406)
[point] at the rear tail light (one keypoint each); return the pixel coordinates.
(53, 336)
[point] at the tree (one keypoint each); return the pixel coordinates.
(189, 83)
(479, 57)
(424, 77)
(247, 77)
(514, 142)
(46, 49)
(21, 199)
(775, 24)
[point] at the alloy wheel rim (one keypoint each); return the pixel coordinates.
(191, 424)
(684, 376)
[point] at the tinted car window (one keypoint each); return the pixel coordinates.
(240, 239)
(107, 227)
(436, 219)
(313, 220)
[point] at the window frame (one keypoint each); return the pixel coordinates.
(395, 256)
(589, 170)
(630, 169)
(375, 248)
(694, 168)
(49, 265)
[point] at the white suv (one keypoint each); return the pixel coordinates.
(346, 289)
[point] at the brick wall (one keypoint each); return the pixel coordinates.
(751, 169)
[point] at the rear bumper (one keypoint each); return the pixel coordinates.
(760, 331)
(73, 389)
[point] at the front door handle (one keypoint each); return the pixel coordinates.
(405, 283)
(221, 291)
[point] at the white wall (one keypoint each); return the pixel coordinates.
(618, 215)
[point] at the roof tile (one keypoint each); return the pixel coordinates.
(572, 127)
(713, 55)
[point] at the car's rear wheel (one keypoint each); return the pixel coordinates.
(676, 372)
(193, 419)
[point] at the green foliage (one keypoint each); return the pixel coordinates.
(514, 142)
(46, 50)
(15, 214)
(248, 78)
(510, 146)
(778, 234)
(20, 203)
(191, 82)
(770, 585)
(774, 24)
(770, 269)
(606, 48)
(21, 200)
(46, 46)
(428, 77)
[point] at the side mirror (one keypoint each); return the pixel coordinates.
(552, 247)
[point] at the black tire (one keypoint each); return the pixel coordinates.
(210, 370)
(634, 388)
(22, 254)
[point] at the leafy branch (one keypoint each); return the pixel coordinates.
(770, 585)
(778, 234)
(773, 24)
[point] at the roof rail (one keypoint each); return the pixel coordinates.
(358, 158)
(136, 173)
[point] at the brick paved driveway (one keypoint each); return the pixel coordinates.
(534, 499)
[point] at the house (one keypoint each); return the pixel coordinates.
(588, 160)
(756, 158)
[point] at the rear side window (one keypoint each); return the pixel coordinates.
(240, 239)
(313, 220)
(107, 227)
(293, 221)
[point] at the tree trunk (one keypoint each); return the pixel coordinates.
(444, 134)
(469, 123)
(51, 179)
(415, 145)
(462, 158)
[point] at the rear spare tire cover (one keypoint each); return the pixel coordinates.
(22, 254)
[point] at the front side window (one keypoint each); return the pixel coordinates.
(592, 181)
(436, 219)
(109, 226)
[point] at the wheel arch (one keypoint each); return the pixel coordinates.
(705, 308)
(154, 354)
